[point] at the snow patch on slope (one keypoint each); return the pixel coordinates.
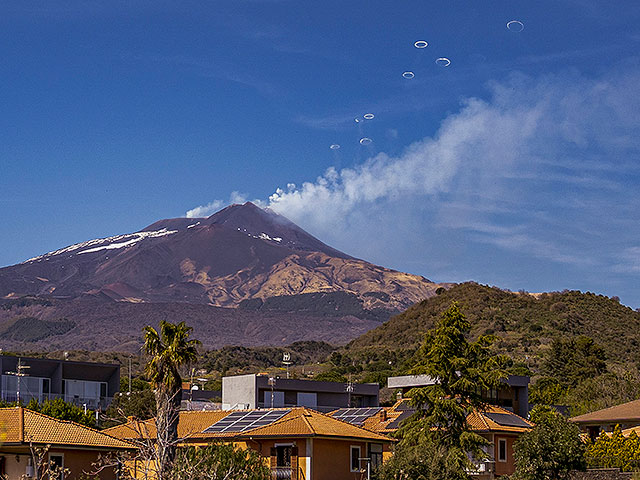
(108, 243)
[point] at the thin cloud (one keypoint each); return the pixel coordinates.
(503, 172)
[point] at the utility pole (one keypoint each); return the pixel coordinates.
(129, 375)
(191, 387)
(272, 383)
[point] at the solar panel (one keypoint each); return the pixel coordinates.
(356, 416)
(403, 416)
(405, 405)
(243, 421)
(507, 419)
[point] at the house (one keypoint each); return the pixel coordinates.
(297, 443)
(513, 395)
(262, 391)
(499, 426)
(83, 383)
(627, 415)
(71, 446)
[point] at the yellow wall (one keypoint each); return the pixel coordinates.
(508, 467)
(332, 459)
(76, 461)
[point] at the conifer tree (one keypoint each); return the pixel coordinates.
(435, 443)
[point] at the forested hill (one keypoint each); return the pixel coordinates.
(525, 323)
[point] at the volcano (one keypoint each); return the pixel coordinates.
(245, 264)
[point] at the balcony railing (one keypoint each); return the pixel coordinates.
(281, 473)
(92, 403)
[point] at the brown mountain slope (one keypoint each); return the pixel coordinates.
(239, 253)
(242, 256)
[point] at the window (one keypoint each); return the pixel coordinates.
(502, 450)
(283, 455)
(103, 390)
(56, 466)
(375, 453)
(355, 459)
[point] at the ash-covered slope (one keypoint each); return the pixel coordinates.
(241, 253)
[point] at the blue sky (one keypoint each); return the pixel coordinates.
(518, 165)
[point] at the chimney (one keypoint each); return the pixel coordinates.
(383, 415)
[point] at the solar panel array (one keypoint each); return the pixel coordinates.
(507, 419)
(403, 416)
(356, 416)
(243, 421)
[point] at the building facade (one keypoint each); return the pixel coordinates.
(82, 383)
(262, 391)
(513, 394)
(296, 443)
(74, 448)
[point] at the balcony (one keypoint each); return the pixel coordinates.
(92, 403)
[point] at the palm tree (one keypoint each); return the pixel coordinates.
(169, 351)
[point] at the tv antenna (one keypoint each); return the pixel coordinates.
(349, 389)
(286, 361)
(19, 373)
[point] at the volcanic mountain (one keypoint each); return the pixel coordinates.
(243, 263)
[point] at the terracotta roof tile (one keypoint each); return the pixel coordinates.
(477, 420)
(481, 422)
(310, 423)
(302, 422)
(42, 429)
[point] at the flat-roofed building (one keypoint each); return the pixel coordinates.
(81, 383)
(262, 391)
(513, 395)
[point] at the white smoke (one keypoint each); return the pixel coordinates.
(529, 170)
(213, 207)
(542, 168)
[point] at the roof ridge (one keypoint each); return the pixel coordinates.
(71, 422)
(304, 419)
(607, 408)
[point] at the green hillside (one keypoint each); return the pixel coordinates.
(525, 323)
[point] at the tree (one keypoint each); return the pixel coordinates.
(571, 360)
(139, 404)
(62, 410)
(615, 451)
(550, 450)
(170, 350)
(436, 440)
(546, 391)
(219, 461)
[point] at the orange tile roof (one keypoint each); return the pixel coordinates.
(627, 431)
(22, 426)
(477, 421)
(191, 423)
(305, 422)
(299, 422)
(616, 414)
